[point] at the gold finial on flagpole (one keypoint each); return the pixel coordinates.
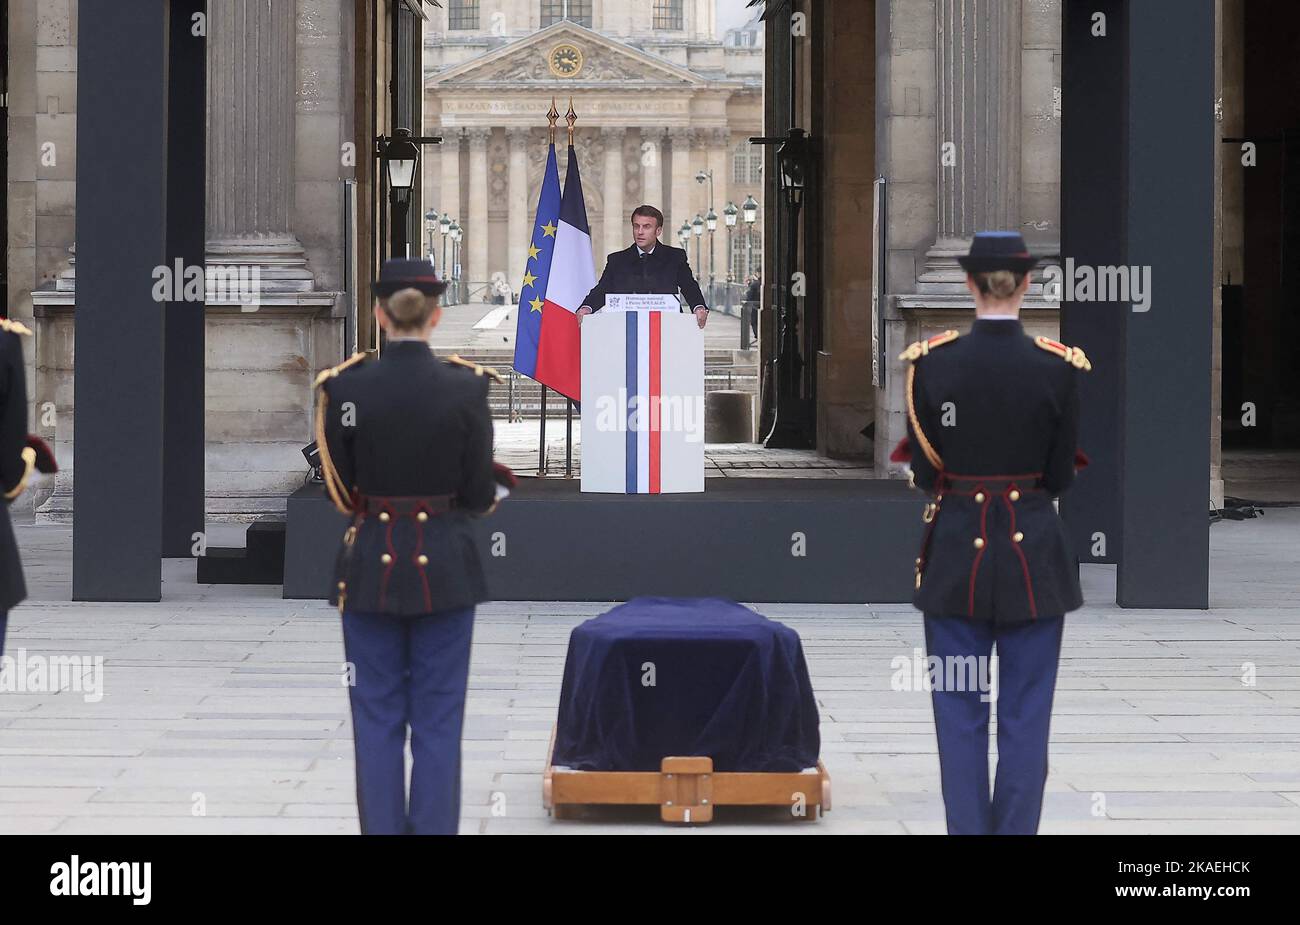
(552, 116)
(571, 117)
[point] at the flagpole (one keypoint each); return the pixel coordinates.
(568, 440)
(541, 439)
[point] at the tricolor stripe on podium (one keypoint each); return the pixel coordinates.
(644, 351)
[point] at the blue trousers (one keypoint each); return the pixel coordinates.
(409, 671)
(1027, 659)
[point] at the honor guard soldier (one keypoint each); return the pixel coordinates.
(992, 429)
(406, 451)
(20, 452)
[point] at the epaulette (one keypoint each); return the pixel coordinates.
(479, 370)
(920, 348)
(1072, 355)
(335, 370)
(14, 327)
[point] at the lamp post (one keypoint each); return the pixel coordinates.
(431, 226)
(455, 232)
(749, 211)
(729, 215)
(444, 229)
(684, 234)
(711, 223)
(400, 154)
(697, 229)
(706, 176)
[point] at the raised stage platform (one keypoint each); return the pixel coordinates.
(759, 539)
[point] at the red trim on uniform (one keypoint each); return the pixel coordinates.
(979, 554)
(1024, 563)
(392, 560)
(903, 452)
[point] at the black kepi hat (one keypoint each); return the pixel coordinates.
(407, 273)
(998, 250)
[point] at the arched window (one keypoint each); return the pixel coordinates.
(668, 15)
(462, 14)
(747, 163)
(578, 11)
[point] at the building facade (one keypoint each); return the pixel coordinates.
(662, 95)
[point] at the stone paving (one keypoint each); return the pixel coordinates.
(223, 712)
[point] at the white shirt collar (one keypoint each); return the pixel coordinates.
(650, 251)
(997, 317)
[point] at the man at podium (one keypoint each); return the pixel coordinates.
(648, 266)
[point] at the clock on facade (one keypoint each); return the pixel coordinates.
(565, 60)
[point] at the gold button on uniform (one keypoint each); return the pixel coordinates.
(1014, 496)
(979, 542)
(1018, 536)
(385, 558)
(383, 517)
(423, 560)
(342, 585)
(422, 516)
(979, 497)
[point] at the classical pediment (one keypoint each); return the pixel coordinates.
(589, 58)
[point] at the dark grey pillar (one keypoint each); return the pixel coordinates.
(121, 238)
(1165, 430)
(183, 362)
(1094, 120)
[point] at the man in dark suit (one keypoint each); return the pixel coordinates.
(992, 427)
(406, 452)
(648, 266)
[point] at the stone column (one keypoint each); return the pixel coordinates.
(683, 178)
(517, 223)
(616, 222)
(978, 115)
(252, 77)
(476, 270)
(720, 164)
(652, 167)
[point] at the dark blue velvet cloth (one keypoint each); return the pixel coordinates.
(727, 683)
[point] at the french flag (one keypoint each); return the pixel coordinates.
(559, 275)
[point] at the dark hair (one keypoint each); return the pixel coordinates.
(648, 212)
(1000, 284)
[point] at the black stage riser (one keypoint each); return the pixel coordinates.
(859, 543)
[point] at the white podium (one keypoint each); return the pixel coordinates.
(642, 397)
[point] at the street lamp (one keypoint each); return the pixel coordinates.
(684, 234)
(697, 229)
(444, 230)
(455, 233)
(431, 226)
(729, 214)
(400, 154)
(711, 222)
(749, 211)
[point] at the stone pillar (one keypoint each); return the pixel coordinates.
(978, 130)
(252, 78)
(652, 167)
(616, 222)
(683, 178)
(517, 224)
(476, 270)
(720, 163)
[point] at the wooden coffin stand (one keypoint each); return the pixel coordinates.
(684, 788)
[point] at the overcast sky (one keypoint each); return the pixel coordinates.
(731, 14)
